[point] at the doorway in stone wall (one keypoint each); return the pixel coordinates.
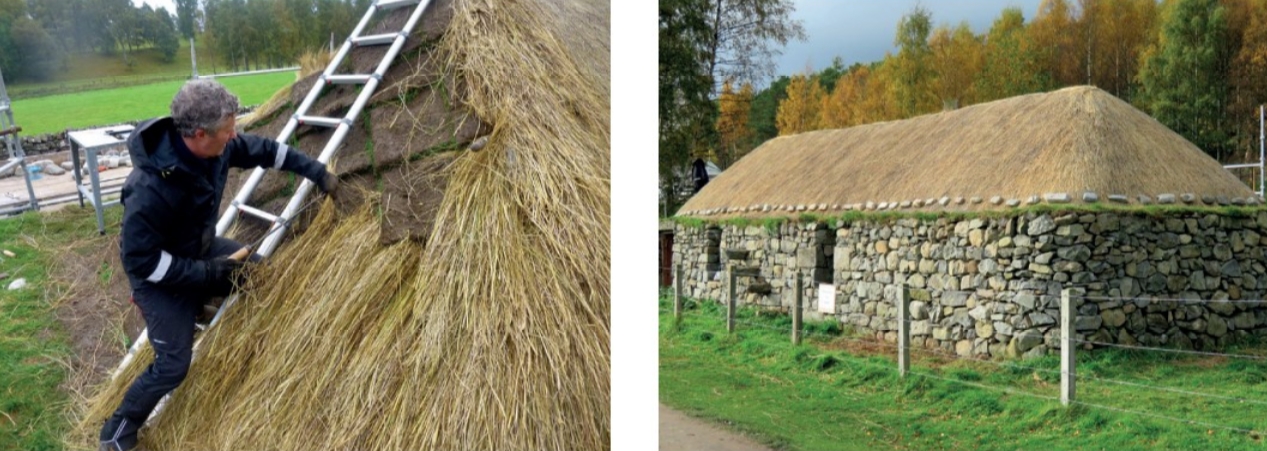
(824, 281)
(666, 258)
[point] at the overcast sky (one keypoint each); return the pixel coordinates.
(156, 4)
(863, 30)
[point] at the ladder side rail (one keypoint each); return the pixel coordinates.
(132, 352)
(400, 39)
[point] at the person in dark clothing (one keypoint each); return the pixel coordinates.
(173, 260)
(700, 171)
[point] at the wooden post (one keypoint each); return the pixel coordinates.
(1067, 348)
(903, 332)
(796, 312)
(677, 291)
(730, 302)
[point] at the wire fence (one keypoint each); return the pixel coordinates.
(1068, 345)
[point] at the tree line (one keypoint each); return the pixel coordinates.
(705, 45)
(39, 37)
(1197, 66)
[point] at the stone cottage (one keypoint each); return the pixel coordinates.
(983, 215)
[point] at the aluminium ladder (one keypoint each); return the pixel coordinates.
(341, 127)
(17, 158)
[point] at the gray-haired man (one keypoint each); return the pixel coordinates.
(172, 257)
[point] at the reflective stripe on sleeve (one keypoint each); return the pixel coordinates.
(164, 263)
(281, 156)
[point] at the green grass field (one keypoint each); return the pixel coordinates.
(34, 349)
(108, 106)
(92, 71)
(833, 392)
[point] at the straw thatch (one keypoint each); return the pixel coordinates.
(489, 329)
(1071, 141)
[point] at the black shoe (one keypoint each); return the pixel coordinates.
(119, 434)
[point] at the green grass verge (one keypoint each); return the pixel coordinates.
(34, 349)
(108, 106)
(832, 393)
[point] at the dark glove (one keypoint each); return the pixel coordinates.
(223, 274)
(328, 183)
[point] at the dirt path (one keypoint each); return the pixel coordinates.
(679, 432)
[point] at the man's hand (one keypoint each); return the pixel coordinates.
(222, 274)
(328, 184)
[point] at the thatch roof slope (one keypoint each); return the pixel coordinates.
(1069, 141)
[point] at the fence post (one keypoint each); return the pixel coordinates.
(730, 302)
(796, 313)
(903, 332)
(677, 291)
(1067, 348)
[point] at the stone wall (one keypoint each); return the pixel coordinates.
(777, 253)
(35, 145)
(56, 142)
(696, 250)
(992, 286)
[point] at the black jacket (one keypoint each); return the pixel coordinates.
(171, 200)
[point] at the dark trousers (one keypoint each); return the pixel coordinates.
(169, 315)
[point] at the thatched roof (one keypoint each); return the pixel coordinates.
(1071, 141)
(489, 327)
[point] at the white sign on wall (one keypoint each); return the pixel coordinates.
(827, 298)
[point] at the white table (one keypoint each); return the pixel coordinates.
(92, 141)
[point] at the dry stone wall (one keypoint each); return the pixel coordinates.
(776, 253)
(981, 286)
(56, 142)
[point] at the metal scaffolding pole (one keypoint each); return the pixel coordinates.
(17, 158)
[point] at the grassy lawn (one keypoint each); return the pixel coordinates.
(836, 392)
(92, 71)
(34, 350)
(108, 106)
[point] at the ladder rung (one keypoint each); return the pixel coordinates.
(387, 5)
(376, 39)
(347, 79)
(257, 212)
(320, 121)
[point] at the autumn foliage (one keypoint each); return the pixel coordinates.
(1136, 50)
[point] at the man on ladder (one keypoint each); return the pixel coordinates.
(172, 257)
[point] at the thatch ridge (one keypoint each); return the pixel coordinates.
(1070, 141)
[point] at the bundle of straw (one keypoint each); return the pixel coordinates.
(494, 334)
